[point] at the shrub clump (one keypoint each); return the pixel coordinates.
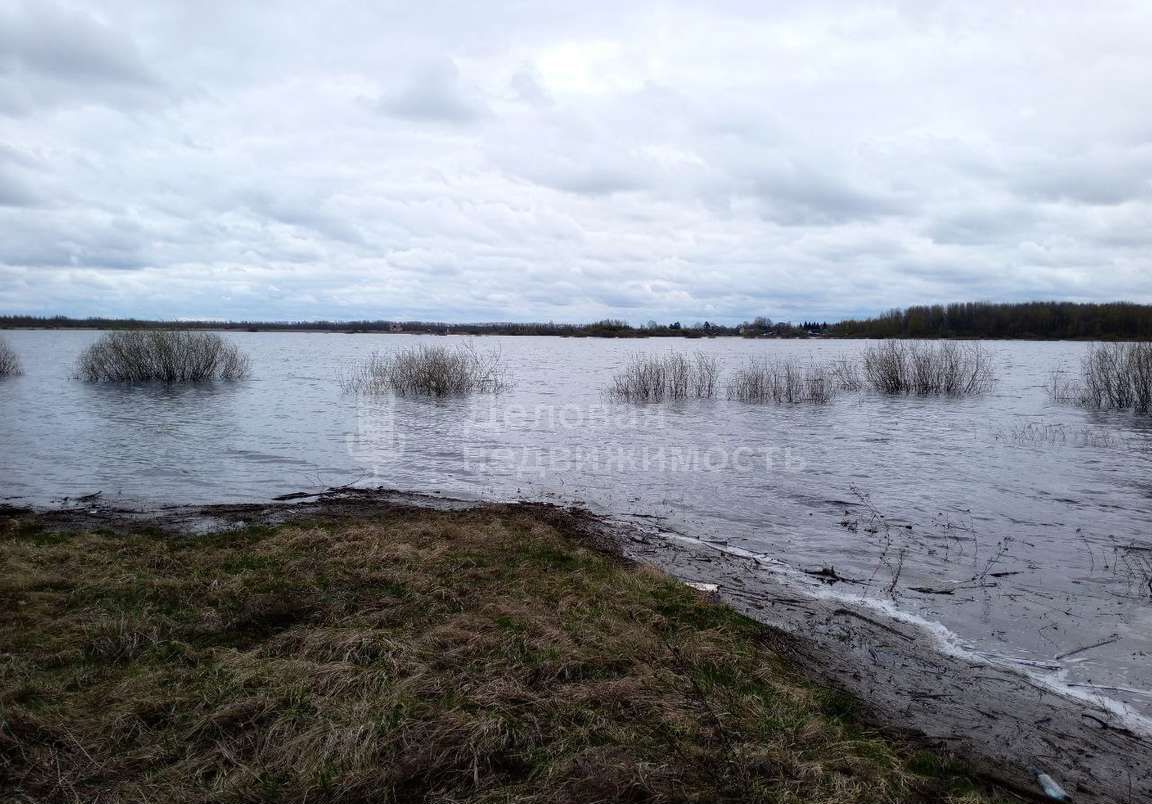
(161, 355)
(783, 381)
(846, 374)
(9, 361)
(1113, 376)
(946, 368)
(655, 378)
(424, 370)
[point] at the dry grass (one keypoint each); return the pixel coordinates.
(927, 369)
(424, 370)
(482, 656)
(782, 381)
(656, 378)
(9, 360)
(160, 355)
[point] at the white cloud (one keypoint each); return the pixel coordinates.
(569, 161)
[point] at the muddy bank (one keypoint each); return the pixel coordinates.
(1007, 722)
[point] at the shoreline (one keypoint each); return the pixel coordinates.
(690, 335)
(1002, 720)
(360, 647)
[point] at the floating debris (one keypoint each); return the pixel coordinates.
(829, 575)
(710, 591)
(1051, 788)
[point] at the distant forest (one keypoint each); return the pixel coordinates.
(608, 328)
(1028, 320)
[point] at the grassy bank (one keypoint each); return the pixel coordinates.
(487, 655)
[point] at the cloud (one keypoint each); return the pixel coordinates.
(15, 192)
(51, 40)
(975, 224)
(794, 195)
(1103, 177)
(655, 160)
(438, 94)
(52, 54)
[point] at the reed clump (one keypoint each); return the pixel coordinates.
(783, 381)
(424, 370)
(1113, 376)
(9, 360)
(160, 355)
(945, 368)
(655, 378)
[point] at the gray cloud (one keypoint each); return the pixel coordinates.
(15, 192)
(978, 224)
(1111, 177)
(798, 196)
(52, 54)
(52, 40)
(436, 93)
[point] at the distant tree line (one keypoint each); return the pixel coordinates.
(1027, 320)
(1035, 320)
(607, 328)
(761, 327)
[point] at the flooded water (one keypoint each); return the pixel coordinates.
(1022, 527)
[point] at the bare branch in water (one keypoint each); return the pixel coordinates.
(9, 361)
(783, 381)
(946, 368)
(1113, 376)
(424, 370)
(655, 378)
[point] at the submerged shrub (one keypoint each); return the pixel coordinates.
(1113, 376)
(1065, 389)
(783, 381)
(429, 371)
(654, 378)
(9, 361)
(899, 367)
(161, 355)
(846, 374)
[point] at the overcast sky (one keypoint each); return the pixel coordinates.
(570, 160)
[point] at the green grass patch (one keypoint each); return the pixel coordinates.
(476, 656)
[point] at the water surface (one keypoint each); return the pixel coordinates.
(1021, 526)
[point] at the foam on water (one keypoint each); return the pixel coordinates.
(1051, 676)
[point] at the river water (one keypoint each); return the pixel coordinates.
(1019, 528)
